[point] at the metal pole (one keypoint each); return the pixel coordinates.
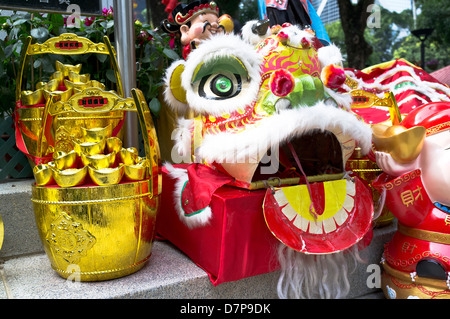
(126, 58)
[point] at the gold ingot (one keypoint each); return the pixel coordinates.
(63, 160)
(98, 161)
(64, 95)
(89, 148)
(66, 69)
(58, 77)
(137, 172)
(106, 176)
(43, 175)
(81, 86)
(404, 145)
(96, 134)
(70, 177)
(79, 78)
(32, 97)
(128, 156)
(50, 86)
(113, 144)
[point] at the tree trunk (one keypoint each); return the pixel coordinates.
(354, 22)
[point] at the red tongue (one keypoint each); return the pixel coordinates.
(316, 190)
(318, 197)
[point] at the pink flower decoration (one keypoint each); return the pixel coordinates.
(281, 82)
(283, 37)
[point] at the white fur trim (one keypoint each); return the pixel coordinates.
(342, 99)
(248, 35)
(193, 221)
(296, 35)
(330, 54)
(210, 50)
(182, 135)
(170, 99)
(276, 129)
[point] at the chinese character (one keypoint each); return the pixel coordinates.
(409, 197)
(408, 248)
(447, 220)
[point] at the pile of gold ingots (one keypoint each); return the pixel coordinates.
(65, 82)
(97, 159)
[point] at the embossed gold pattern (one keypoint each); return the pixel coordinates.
(69, 239)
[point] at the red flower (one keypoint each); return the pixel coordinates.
(281, 82)
(333, 76)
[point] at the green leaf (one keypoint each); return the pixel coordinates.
(39, 33)
(19, 22)
(170, 54)
(155, 106)
(110, 76)
(102, 57)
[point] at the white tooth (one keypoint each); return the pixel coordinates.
(301, 223)
(329, 225)
(350, 188)
(349, 203)
(280, 198)
(340, 217)
(289, 212)
(315, 227)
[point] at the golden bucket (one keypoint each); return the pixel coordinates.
(97, 233)
(91, 232)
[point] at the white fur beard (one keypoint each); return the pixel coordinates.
(306, 276)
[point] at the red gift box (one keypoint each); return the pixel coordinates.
(235, 244)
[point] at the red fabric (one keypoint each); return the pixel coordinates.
(408, 82)
(235, 245)
(199, 189)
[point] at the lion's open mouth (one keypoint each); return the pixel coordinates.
(316, 156)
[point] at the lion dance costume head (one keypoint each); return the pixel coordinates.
(270, 116)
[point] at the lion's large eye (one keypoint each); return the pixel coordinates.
(220, 86)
